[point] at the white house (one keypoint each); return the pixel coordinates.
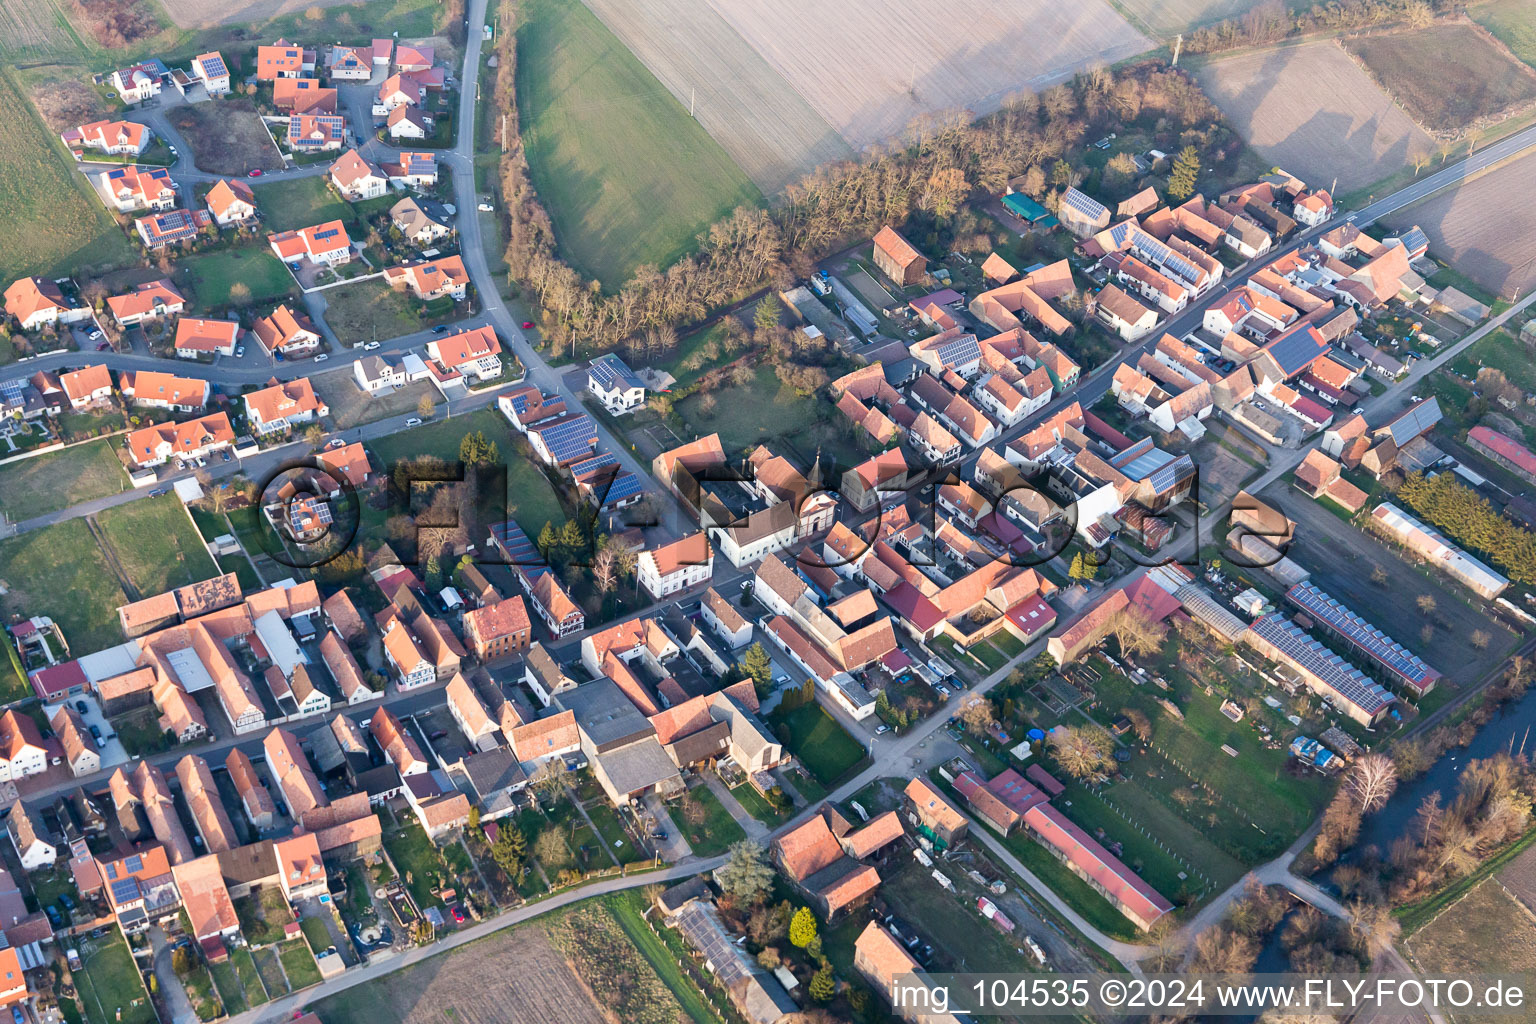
(210, 69)
(357, 179)
(374, 375)
(675, 567)
(474, 353)
(140, 82)
(728, 623)
(615, 384)
(21, 747)
(34, 851)
(404, 655)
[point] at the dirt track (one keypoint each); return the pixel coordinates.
(1312, 110)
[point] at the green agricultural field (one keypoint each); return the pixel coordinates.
(823, 746)
(1513, 23)
(156, 544)
(1502, 351)
(627, 175)
(51, 222)
(300, 203)
(213, 277)
(48, 483)
(60, 571)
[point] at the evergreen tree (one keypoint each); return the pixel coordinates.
(766, 316)
(823, 985)
(1186, 173)
(802, 927)
(757, 665)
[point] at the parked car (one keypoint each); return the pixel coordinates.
(239, 351)
(414, 421)
(882, 729)
(67, 901)
(54, 917)
(254, 172)
(81, 706)
(336, 442)
(458, 914)
(322, 357)
(95, 333)
(370, 346)
(224, 453)
(527, 325)
(104, 346)
(440, 328)
(159, 492)
(96, 730)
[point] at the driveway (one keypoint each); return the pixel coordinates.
(172, 993)
(111, 754)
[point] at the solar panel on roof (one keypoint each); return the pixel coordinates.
(1084, 204)
(134, 863)
(964, 349)
(125, 890)
(1347, 681)
(625, 485)
(1371, 641)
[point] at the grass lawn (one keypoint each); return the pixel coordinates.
(530, 498)
(626, 174)
(372, 310)
(744, 417)
(952, 923)
(52, 223)
(227, 981)
(261, 921)
(212, 276)
(156, 544)
(1249, 805)
(109, 985)
(57, 480)
(250, 977)
(417, 860)
(301, 203)
(1502, 351)
(351, 406)
(823, 746)
(715, 830)
(753, 803)
(316, 934)
(299, 964)
(606, 820)
(60, 571)
(199, 986)
(271, 972)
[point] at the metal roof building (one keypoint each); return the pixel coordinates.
(1401, 664)
(1325, 673)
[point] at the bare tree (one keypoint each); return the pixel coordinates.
(549, 779)
(605, 570)
(1426, 603)
(1082, 751)
(978, 715)
(1371, 781)
(1135, 633)
(1374, 924)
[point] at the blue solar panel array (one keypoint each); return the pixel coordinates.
(1084, 204)
(568, 439)
(1415, 420)
(125, 890)
(611, 372)
(213, 67)
(321, 512)
(583, 471)
(624, 487)
(521, 551)
(1347, 682)
(1371, 642)
(959, 351)
(1296, 349)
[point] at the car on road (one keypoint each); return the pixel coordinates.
(322, 357)
(159, 492)
(254, 172)
(335, 442)
(414, 421)
(440, 329)
(527, 325)
(370, 346)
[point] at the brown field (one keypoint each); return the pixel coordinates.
(63, 95)
(746, 106)
(865, 68)
(1166, 17)
(226, 137)
(1486, 932)
(870, 68)
(1475, 80)
(1313, 110)
(1484, 227)
(512, 977)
